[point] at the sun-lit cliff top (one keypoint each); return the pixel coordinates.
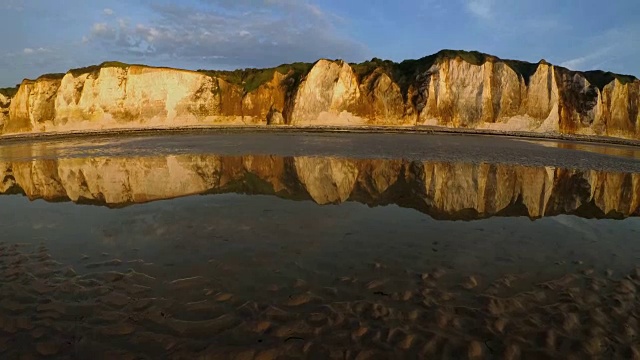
(403, 72)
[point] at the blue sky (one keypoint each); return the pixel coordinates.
(41, 36)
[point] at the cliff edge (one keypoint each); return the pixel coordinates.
(454, 89)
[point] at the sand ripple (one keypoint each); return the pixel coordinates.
(47, 309)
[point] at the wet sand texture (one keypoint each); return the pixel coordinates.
(47, 310)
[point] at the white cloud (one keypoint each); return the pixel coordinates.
(611, 50)
(586, 61)
(31, 51)
(16, 5)
(103, 30)
(242, 32)
(99, 28)
(481, 8)
(108, 12)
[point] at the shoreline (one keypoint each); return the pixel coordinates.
(429, 130)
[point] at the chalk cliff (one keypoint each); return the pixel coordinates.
(440, 189)
(454, 89)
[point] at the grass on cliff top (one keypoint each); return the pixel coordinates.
(96, 68)
(85, 70)
(10, 91)
(601, 78)
(406, 72)
(51, 76)
(251, 79)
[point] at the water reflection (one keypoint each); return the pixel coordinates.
(443, 190)
(245, 272)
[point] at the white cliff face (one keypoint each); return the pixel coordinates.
(541, 100)
(5, 101)
(32, 105)
(617, 109)
(326, 93)
(137, 97)
(448, 91)
(491, 96)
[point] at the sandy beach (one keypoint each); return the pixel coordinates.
(273, 259)
(117, 309)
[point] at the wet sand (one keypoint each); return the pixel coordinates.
(446, 148)
(47, 309)
(369, 129)
(236, 276)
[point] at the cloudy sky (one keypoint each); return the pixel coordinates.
(41, 36)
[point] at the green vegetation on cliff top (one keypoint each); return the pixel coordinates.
(88, 69)
(407, 71)
(9, 91)
(404, 73)
(96, 68)
(601, 78)
(251, 79)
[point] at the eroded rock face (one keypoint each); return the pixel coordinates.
(445, 89)
(439, 189)
(5, 101)
(326, 93)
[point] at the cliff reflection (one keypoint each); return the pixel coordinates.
(443, 190)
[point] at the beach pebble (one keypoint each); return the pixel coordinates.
(245, 355)
(275, 313)
(120, 329)
(375, 284)
(52, 306)
(317, 318)
(48, 348)
(470, 283)
(407, 342)
(267, 355)
(24, 323)
(475, 351)
(223, 297)
(116, 299)
(13, 306)
(406, 295)
(187, 283)
(299, 299)
(114, 262)
(261, 326)
(626, 287)
(330, 291)
(512, 352)
(359, 332)
(38, 333)
(69, 272)
(368, 354)
(500, 324)
(438, 273)
(571, 322)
